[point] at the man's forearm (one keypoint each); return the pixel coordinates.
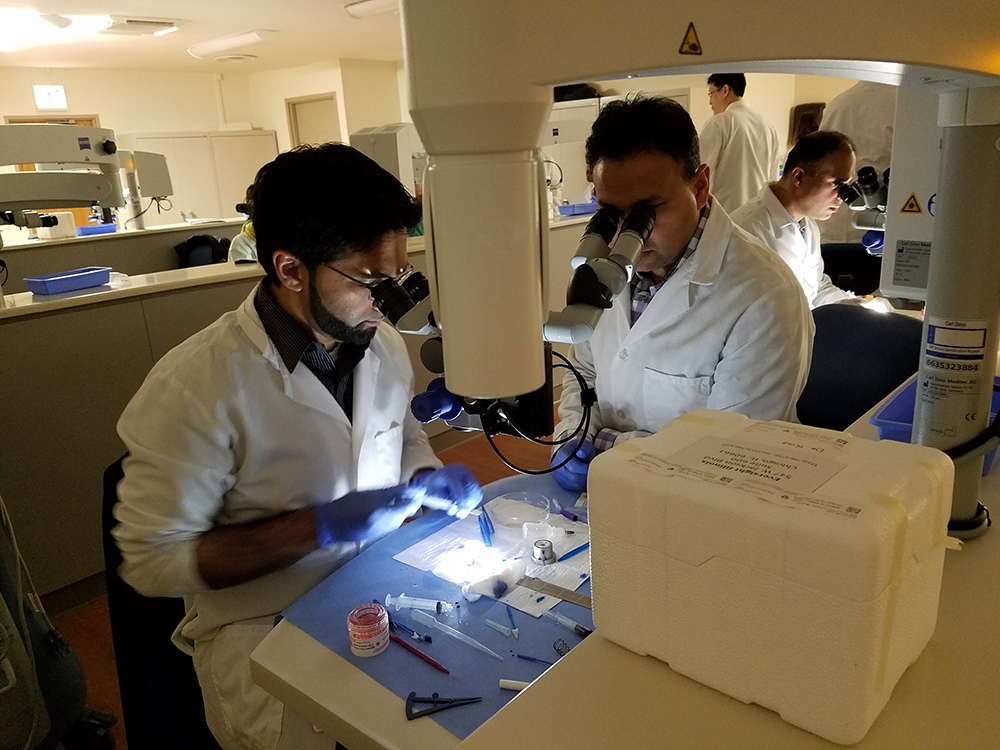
(230, 555)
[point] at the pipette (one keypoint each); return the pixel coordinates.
(415, 602)
(425, 619)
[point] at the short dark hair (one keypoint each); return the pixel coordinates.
(645, 124)
(736, 81)
(320, 203)
(810, 149)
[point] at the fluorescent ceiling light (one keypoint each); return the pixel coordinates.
(164, 32)
(21, 27)
(365, 8)
(226, 43)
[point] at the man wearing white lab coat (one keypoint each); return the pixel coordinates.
(714, 319)
(267, 448)
(739, 145)
(865, 113)
(783, 214)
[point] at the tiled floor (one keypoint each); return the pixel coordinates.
(81, 611)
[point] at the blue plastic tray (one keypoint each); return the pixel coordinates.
(96, 229)
(894, 418)
(574, 209)
(68, 281)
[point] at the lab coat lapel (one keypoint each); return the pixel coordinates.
(366, 388)
(678, 294)
(300, 385)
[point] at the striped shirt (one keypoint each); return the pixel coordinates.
(643, 289)
(295, 344)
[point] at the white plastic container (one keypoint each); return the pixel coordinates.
(783, 565)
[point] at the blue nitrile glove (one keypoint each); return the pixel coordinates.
(452, 489)
(364, 514)
(573, 476)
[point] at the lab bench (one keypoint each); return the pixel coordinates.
(69, 363)
(602, 695)
(133, 252)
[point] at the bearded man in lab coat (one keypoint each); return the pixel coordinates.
(266, 449)
(713, 320)
(739, 145)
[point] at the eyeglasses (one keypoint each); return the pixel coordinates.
(370, 285)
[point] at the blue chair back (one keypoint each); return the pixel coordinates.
(860, 356)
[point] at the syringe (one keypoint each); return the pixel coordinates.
(415, 602)
(425, 619)
(576, 627)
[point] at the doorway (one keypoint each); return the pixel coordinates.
(313, 119)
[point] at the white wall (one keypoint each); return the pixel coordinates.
(403, 84)
(269, 90)
(810, 89)
(367, 94)
(129, 101)
(371, 93)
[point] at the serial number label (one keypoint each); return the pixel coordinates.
(937, 364)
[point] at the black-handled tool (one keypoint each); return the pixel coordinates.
(438, 704)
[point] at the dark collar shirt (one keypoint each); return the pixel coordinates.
(295, 345)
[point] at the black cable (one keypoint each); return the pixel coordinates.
(584, 426)
(133, 218)
(520, 433)
(570, 457)
(992, 431)
(6, 272)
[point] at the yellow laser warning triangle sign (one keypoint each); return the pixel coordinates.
(690, 45)
(912, 205)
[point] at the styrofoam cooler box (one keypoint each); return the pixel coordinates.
(784, 565)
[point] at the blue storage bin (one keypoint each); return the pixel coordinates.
(574, 209)
(894, 418)
(90, 229)
(68, 281)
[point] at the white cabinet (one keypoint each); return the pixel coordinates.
(210, 172)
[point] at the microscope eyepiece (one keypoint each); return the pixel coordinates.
(604, 223)
(640, 221)
(848, 193)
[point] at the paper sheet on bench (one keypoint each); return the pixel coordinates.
(428, 554)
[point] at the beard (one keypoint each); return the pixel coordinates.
(333, 326)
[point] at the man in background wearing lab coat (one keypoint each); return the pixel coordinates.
(739, 145)
(865, 113)
(266, 449)
(713, 320)
(783, 214)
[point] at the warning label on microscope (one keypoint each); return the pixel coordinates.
(912, 263)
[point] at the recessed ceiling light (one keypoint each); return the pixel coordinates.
(234, 58)
(164, 32)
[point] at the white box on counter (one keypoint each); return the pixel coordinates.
(784, 565)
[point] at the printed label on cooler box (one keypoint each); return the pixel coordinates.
(771, 473)
(726, 460)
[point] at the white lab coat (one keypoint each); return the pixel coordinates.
(730, 330)
(242, 248)
(865, 113)
(767, 219)
(740, 146)
(222, 433)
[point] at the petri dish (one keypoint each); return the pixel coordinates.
(517, 508)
